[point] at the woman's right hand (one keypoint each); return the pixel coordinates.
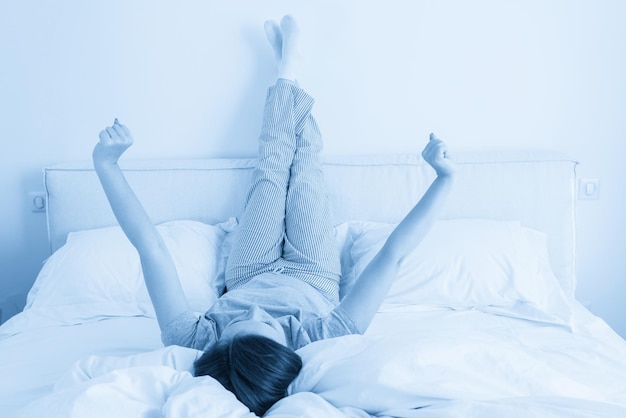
(114, 140)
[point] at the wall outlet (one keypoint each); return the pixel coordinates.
(589, 189)
(37, 201)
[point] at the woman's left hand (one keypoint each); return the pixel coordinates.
(436, 155)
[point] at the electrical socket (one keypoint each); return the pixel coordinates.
(37, 201)
(589, 189)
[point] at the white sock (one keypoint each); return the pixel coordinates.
(289, 65)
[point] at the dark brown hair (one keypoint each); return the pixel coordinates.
(256, 369)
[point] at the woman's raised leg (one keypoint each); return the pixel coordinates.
(258, 241)
(310, 250)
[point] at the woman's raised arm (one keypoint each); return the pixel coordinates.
(159, 270)
(371, 287)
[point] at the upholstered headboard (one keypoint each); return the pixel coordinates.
(536, 188)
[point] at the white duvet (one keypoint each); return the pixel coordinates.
(476, 325)
(462, 364)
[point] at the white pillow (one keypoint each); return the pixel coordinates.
(99, 270)
(498, 267)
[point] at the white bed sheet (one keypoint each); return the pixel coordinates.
(451, 363)
(35, 353)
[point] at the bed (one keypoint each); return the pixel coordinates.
(481, 322)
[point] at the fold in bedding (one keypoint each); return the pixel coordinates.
(450, 364)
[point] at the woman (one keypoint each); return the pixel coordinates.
(283, 271)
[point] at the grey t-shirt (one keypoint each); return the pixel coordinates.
(303, 312)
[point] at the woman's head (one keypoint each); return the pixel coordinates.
(255, 368)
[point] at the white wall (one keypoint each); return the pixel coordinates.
(189, 78)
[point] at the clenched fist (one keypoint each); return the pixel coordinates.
(114, 140)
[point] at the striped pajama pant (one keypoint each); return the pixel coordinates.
(286, 224)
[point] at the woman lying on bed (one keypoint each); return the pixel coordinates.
(283, 272)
